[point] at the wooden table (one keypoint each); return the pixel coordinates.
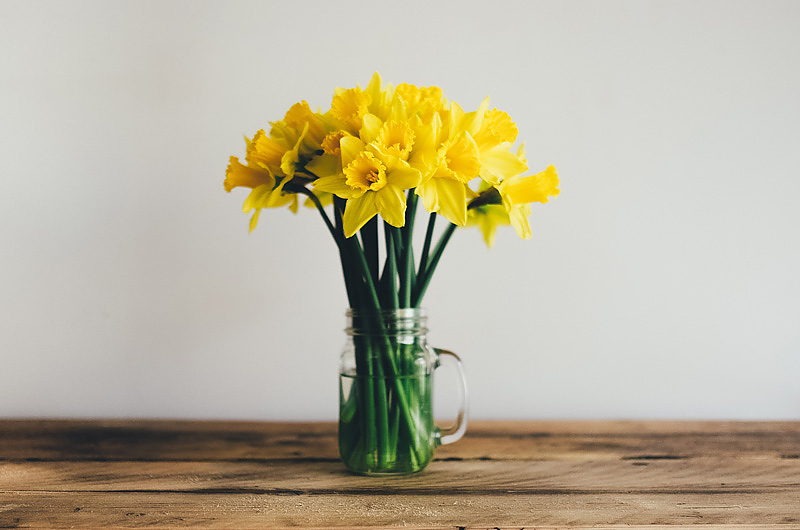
(156, 474)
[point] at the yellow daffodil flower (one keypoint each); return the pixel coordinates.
(259, 180)
(421, 101)
(349, 106)
(445, 189)
(291, 142)
(266, 153)
(509, 203)
(300, 116)
(238, 175)
(488, 217)
(381, 98)
(272, 161)
(263, 194)
(395, 137)
(373, 182)
(494, 133)
(518, 192)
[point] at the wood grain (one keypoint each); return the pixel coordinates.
(123, 474)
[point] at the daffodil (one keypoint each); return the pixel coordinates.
(488, 217)
(518, 192)
(421, 101)
(349, 107)
(406, 138)
(444, 189)
(397, 138)
(373, 182)
(299, 117)
(494, 133)
(239, 175)
(382, 101)
(509, 203)
(290, 143)
(262, 185)
(273, 160)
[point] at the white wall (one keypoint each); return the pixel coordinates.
(664, 282)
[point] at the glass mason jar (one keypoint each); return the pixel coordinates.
(385, 393)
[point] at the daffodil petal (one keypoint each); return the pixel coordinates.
(350, 146)
(399, 110)
(430, 196)
(488, 218)
(256, 198)
(424, 155)
(398, 172)
(337, 184)
(452, 198)
(391, 204)
(500, 162)
(371, 128)
(379, 97)
(521, 153)
(357, 212)
(324, 165)
(456, 118)
(488, 176)
(374, 85)
(489, 231)
(404, 177)
(254, 220)
(265, 197)
(533, 188)
(474, 120)
(494, 217)
(294, 203)
(290, 158)
(519, 220)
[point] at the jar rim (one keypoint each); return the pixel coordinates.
(403, 312)
(403, 321)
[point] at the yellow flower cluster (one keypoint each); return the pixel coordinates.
(375, 144)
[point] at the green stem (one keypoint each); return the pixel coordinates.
(422, 285)
(350, 283)
(407, 256)
(391, 281)
(382, 408)
(391, 267)
(400, 262)
(426, 247)
(369, 239)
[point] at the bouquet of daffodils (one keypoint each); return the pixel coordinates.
(366, 164)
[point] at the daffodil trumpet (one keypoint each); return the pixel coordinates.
(368, 164)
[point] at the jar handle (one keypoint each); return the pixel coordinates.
(454, 433)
